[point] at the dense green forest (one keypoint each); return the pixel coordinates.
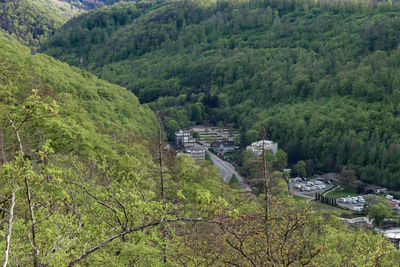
(29, 22)
(321, 75)
(33, 21)
(86, 180)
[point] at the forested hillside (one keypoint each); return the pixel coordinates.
(86, 180)
(78, 166)
(33, 21)
(29, 22)
(322, 75)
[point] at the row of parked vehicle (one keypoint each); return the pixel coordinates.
(310, 186)
(352, 200)
(299, 179)
(305, 179)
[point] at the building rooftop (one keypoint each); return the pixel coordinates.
(224, 143)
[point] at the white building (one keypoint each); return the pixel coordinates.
(183, 139)
(197, 152)
(393, 235)
(257, 147)
(186, 144)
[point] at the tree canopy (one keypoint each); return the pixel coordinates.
(86, 179)
(28, 21)
(322, 75)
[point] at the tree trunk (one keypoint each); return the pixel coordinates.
(8, 235)
(266, 178)
(2, 156)
(33, 227)
(162, 193)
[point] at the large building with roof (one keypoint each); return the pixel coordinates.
(257, 147)
(187, 144)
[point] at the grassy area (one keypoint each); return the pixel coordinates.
(341, 192)
(326, 209)
(297, 198)
(329, 189)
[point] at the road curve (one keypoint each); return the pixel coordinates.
(226, 170)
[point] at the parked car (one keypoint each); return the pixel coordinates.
(354, 200)
(298, 186)
(357, 208)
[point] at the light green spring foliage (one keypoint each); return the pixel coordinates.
(87, 166)
(109, 106)
(345, 247)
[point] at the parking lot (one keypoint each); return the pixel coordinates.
(305, 187)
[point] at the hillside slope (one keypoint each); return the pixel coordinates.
(78, 165)
(33, 21)
(84, 182)
(29, 22)
(108, 105)
(329, 68)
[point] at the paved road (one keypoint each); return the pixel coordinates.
(226, 170)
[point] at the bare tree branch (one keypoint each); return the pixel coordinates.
(8, 235)
(123, 208)
(18, 137)
(2, 154)
(130, 230)
(4, 210)
(33, 224)
(162, 193)
(103, 204)
(54, 249)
